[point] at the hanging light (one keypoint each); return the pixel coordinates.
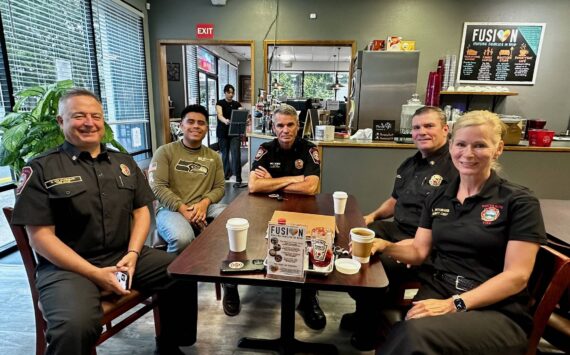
(336, 85)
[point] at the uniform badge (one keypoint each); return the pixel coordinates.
(24, 178)
(435, 180)
(299, 164)
(260, 153)
(125, 170)
(490, 214)
(315, 155)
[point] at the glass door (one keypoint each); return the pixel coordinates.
(208, 99)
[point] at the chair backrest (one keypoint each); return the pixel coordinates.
(548, 282)
(30, 263)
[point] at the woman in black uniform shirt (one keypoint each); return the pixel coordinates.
(485, 232)
(229, 145)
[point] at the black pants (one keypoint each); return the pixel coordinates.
(71, 303)
(230, 145)
(485, 331)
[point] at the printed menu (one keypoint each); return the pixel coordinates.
(506, 53)
(286, 251)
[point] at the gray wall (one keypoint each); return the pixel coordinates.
(436, 26)
(176, 88)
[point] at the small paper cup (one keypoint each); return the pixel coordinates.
(237, 233)
(339, 198)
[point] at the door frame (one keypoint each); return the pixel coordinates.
(162, 77)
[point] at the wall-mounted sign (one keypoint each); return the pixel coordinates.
(494, 52)
(206, 61)
(205, 31)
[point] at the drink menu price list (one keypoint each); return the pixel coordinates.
(500, 52)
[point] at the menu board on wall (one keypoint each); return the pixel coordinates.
(500, 53)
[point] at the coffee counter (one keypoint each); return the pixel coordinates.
(366, 169)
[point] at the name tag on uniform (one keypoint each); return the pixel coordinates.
(275, 164)
(62, 180)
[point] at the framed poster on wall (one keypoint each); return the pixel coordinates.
(245, 88)
(500, 53)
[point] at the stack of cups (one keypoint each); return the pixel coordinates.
(361, 239)
(237, 233)
(339, 198)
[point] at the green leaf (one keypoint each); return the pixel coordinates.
(12, 119)
(7, 158)
(13, 137)
(118, 145)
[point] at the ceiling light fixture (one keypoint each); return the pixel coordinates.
(336, 85)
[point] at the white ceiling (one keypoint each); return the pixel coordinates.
(297, 53)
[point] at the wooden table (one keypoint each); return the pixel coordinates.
(202, 259)
(556, 214)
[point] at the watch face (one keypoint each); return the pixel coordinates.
(459, 304)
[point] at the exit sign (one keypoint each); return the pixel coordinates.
(205, 30)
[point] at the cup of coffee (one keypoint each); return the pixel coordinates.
(362, 239)
(339, 198)
(237, 233)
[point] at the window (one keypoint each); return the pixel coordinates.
(192, 75)
(292, 83)
(98, 44)
(122, 73)
(311, 84)
(49, 41)
(223, 77)
(316, 84)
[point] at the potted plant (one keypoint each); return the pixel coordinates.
(32, 128)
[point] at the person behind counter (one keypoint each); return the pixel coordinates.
(229, 145)
(417, 177)
(485, 232)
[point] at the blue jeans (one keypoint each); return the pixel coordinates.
(176, 231)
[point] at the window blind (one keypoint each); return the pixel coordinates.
(122, 72)
(223, 77)
(191, 75)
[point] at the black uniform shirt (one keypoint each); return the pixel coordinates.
(223, 129)
(89, 201)
(470, 239)
(301, 159)
(416, 179)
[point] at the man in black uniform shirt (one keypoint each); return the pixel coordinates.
(292, 165)
(85, 210)
(417, 177)
(228, 144)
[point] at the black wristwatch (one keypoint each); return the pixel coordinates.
(459, 304)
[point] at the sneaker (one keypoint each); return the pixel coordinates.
(231, 301)
(312, 313)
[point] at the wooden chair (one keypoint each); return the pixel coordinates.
(113, 307)
(550, 279)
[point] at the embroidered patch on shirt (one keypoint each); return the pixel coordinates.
(299, 164)
(62, 181)
(191, 167)
(435, 180)
(444, 212)
(315, 155)
(152, 167)
(260, 153)
(125, 170)
(25, 176)
(490, 214)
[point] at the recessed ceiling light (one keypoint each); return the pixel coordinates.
(313, 15)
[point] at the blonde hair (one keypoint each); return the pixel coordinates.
(480, 118)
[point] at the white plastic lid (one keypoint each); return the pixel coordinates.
(237, 223)
(340, 194)
(347, 266)
(362, 238)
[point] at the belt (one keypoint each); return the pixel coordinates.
(461, 283)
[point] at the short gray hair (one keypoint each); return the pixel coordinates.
(287, 110)
(427, 109)
(74, 92)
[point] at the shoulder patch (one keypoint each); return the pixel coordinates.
(25, 176)
(315, 155)
(260, 153)
(152, 167)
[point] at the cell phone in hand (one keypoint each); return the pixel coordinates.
(123, 279)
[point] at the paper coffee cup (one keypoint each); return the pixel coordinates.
(339, 198)
(237, 233)
(362, 239)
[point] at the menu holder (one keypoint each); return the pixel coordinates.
(285, 252)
